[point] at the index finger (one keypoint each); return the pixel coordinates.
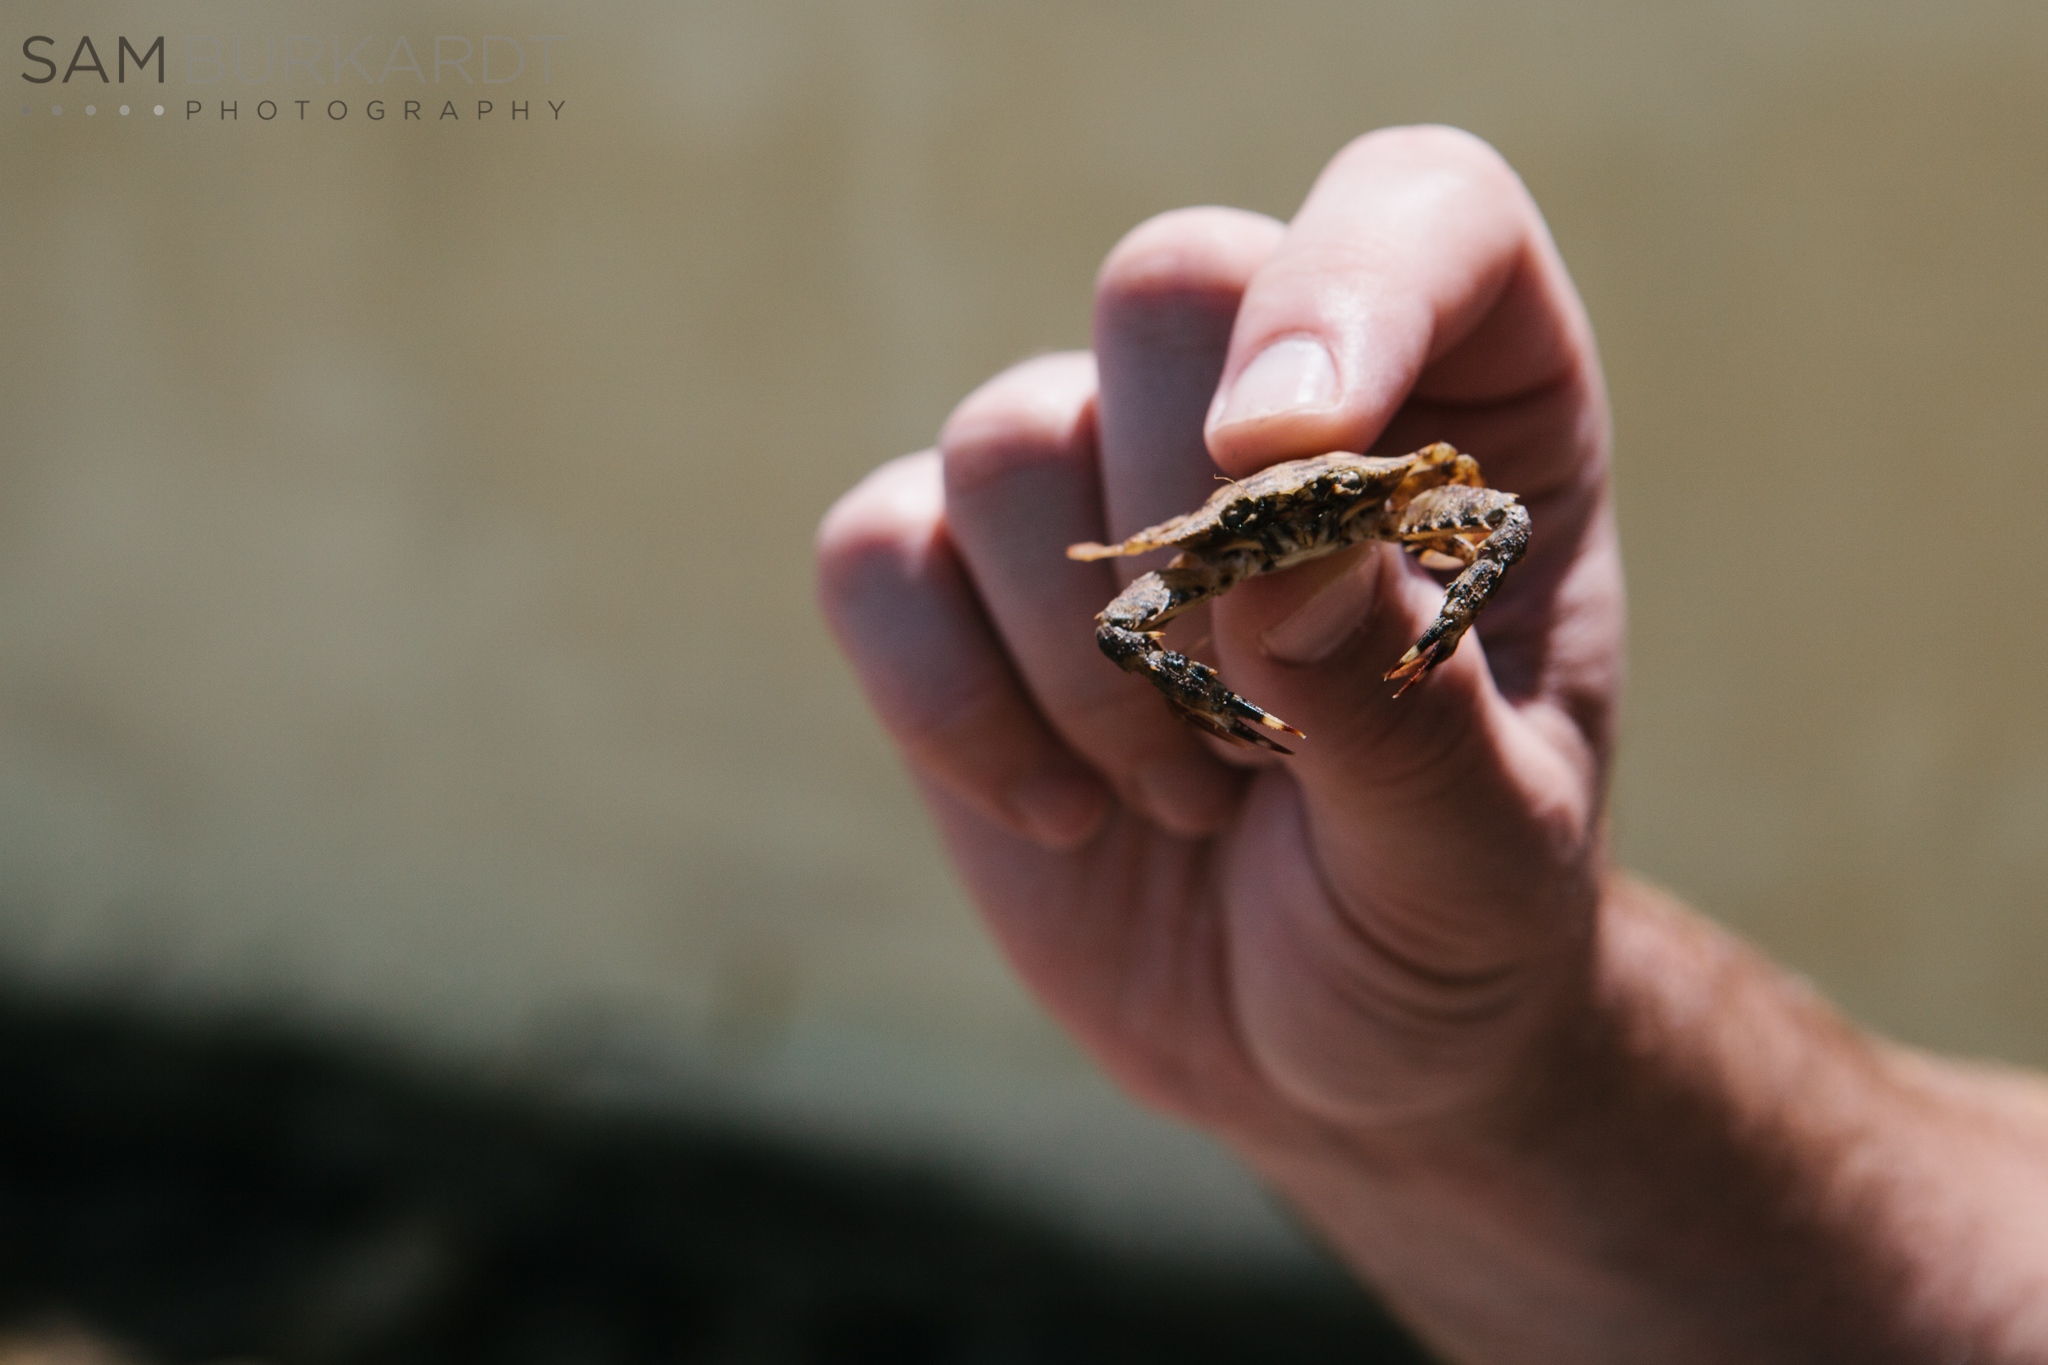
(1419, 269)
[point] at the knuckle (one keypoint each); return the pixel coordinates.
(901, 498)
(1453, 162)
(1437, 143)
(853, 574)
(865, 541)
(1455, 144)
(1185, 251)
(1037, 412)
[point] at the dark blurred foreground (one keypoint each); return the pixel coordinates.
(172, 1193)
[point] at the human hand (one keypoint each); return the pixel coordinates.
(1370, 936)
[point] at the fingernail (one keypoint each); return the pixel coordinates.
(1328, 619)
(1291, 374)
(1059, 809)
(1189, 796)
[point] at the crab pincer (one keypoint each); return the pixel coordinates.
(1193, 690)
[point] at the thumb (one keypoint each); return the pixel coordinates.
(1438, 801)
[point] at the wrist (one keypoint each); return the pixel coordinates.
(1700, 1161)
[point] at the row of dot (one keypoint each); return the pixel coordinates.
(91, 109)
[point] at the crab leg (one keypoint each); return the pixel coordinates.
(1127, 630)
(1431, 521)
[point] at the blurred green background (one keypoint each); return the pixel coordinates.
(405, 528)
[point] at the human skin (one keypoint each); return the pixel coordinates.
(1546, 1112)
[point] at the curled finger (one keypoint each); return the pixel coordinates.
(1022, 483)
(895, 594)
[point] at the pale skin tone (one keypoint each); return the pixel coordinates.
(1550, 1115)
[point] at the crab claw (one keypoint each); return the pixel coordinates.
(1230, 727)
(1192, 689)
(1416, 664)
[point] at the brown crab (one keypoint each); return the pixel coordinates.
(1433, 501)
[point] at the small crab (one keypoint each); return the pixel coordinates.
(1433, 502)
